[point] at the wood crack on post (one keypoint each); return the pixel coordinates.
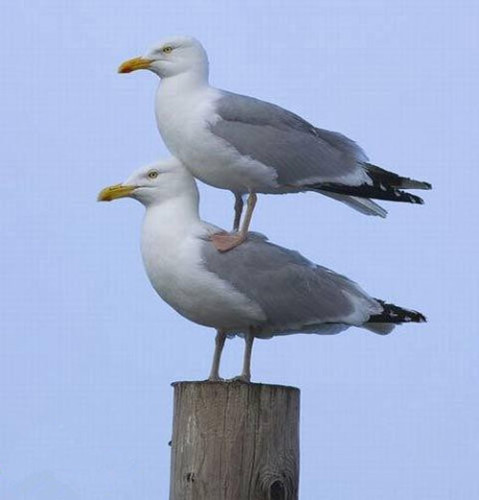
(234, 441)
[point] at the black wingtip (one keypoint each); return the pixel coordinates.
(383, 177)
(369, 191)
(418, 185)
(412, 198)
(396, 314)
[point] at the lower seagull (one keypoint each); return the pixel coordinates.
(257, 290)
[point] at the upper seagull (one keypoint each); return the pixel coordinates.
(250, 146)
(257, 290)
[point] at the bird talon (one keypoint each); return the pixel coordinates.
(224, 242)
(245, 379)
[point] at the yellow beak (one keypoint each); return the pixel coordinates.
(134, 64)
(114, 192)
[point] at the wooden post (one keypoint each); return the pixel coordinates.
(235, 441)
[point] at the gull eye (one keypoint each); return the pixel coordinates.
(167, 49)
(152, 174)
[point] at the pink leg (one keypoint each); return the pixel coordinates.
(227, 241)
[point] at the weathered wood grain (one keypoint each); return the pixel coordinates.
(235, 441)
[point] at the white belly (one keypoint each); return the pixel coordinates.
(183, 125)
(178, 277)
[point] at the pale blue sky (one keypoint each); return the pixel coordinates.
(87, 350)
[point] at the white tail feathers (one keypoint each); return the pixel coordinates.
(380, 328)
(363, 205)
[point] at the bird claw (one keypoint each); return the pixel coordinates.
(224, 242)
(245, 379)
(215, 379)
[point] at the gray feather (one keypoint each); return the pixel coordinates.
(282, 140)
(295, 294)
(362, 205)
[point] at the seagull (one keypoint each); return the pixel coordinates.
(250, 146)
(257, 290)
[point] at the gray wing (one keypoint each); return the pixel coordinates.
(295, 294)
(280, 139)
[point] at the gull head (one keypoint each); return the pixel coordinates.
(171, 57)
(154, 184)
